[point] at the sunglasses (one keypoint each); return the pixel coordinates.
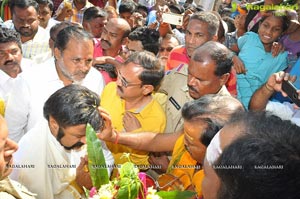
(161, 49)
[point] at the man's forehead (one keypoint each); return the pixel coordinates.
(8, 45)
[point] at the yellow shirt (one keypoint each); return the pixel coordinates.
(151, 117)
(185, 167)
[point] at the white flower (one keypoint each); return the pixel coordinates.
(152, 194)
(106, 191)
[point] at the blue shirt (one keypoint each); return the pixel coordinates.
(259, 65)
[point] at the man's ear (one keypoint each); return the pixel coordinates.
(57, 53)
(224, 78)
(125, 41)
(147, 89)
(53, 125)
(214, 38)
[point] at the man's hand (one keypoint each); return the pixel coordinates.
(130, 122)
(83, 178)
(274, 82)
(66, 11)
(107, 133)
(159, 159)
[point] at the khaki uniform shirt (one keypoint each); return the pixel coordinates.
(175, 88)
(10, 189)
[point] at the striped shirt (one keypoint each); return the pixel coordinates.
(77, 16)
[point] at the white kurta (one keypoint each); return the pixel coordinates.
(45, 158)
(285, 111)
(31, 90)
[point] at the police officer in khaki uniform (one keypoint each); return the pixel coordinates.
(202, 27)
(207, 72)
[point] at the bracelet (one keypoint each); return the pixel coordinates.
(117, 137)
(268, 88)
(77, 187)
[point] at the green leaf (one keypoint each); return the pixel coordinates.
(96, 160)
(129, 189)
(176, 194)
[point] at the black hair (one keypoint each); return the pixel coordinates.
(211, 19)
(176, 8)
(74, 105)
(9, 35)
(218, 53)
(283, 15)
(215, 110)
(128, 6)
(142, 7)
(93, 12)
(268, 155)
(153, 72)
(68, 33)
(23, 4)
(149, 38)
(49, 3)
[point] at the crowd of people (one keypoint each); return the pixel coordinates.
(199, 101)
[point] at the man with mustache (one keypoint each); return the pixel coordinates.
(72, 63)
(25, 21)
(114, 36)
(130, 102)
(45, 14)
(11, 61)
(53, 144)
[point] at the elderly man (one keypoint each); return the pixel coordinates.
(129, 100)
(72, 63)
(166, 45)
(25, 21)
(9, 189)
(11, 61)
(52, 146)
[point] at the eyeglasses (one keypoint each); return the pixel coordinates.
(161, 49)
(125, 83)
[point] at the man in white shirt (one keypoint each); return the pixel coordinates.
(72, 63)
(11, 61)
(45, 12)
(25, 21)
(260, 99)
(50, 149)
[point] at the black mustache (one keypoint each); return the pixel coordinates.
(192, 88)
(76, 145)
(10, 62)
(107, 42)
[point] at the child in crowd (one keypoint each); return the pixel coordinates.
(232, 37)
(291, 43)
(255, 53)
